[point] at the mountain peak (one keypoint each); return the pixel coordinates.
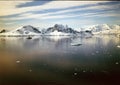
(28, 29)
(61, 28)
(28, 26)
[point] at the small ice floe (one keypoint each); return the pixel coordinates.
(118, 46)
(97, 51)
(17, 61)
(75, 74)
(30, 70)
(76, 44)
(84, 71)
(116, 63)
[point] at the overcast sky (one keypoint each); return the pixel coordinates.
(44, 14)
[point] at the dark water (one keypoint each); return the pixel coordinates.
(54, 61)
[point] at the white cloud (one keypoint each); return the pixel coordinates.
(100, 7)
(9, 7)
(63, 16)
(59, 4)
(105, 14)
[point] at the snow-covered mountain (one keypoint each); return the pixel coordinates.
(99, 28)
(24, 30)
(59, 29)
(105, 29)
(116, 27)
(86, 33)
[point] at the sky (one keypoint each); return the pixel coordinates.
(44, 14)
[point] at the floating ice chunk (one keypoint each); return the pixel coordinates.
(75, 73)
(97, 51)
(17, 61)
(76, 44)
(84, 71)
(30, 70)
(118, 46)
(116, 63)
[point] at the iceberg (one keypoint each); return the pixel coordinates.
(118, 46)
(76, 42)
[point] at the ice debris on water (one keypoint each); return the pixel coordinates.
(76, 44)
(84, 71)
(118, 46)
(97, 51)
(17, 61)
(30, 70)
(116, 63)
(75, 73)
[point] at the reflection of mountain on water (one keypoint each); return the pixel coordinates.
(56, 44)
(57, 41)
(36, 43)
(17, 43)
(51, 57)
(56, 38)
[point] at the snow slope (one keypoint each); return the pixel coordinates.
(60, 30)
(105, 29)
(25, 30)
(56, 33)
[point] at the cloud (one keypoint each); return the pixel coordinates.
(15, 11)
(109, 14)
(33, 3)
(61, 14)
(106, 11)
(95, 7)
(10, 7)
(43, 17)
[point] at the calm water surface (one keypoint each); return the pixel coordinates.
(52, 60)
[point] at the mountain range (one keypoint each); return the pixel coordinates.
(25, 30)
(105, 29)
(61, 30)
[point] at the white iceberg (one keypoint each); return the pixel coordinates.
(76, 42)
